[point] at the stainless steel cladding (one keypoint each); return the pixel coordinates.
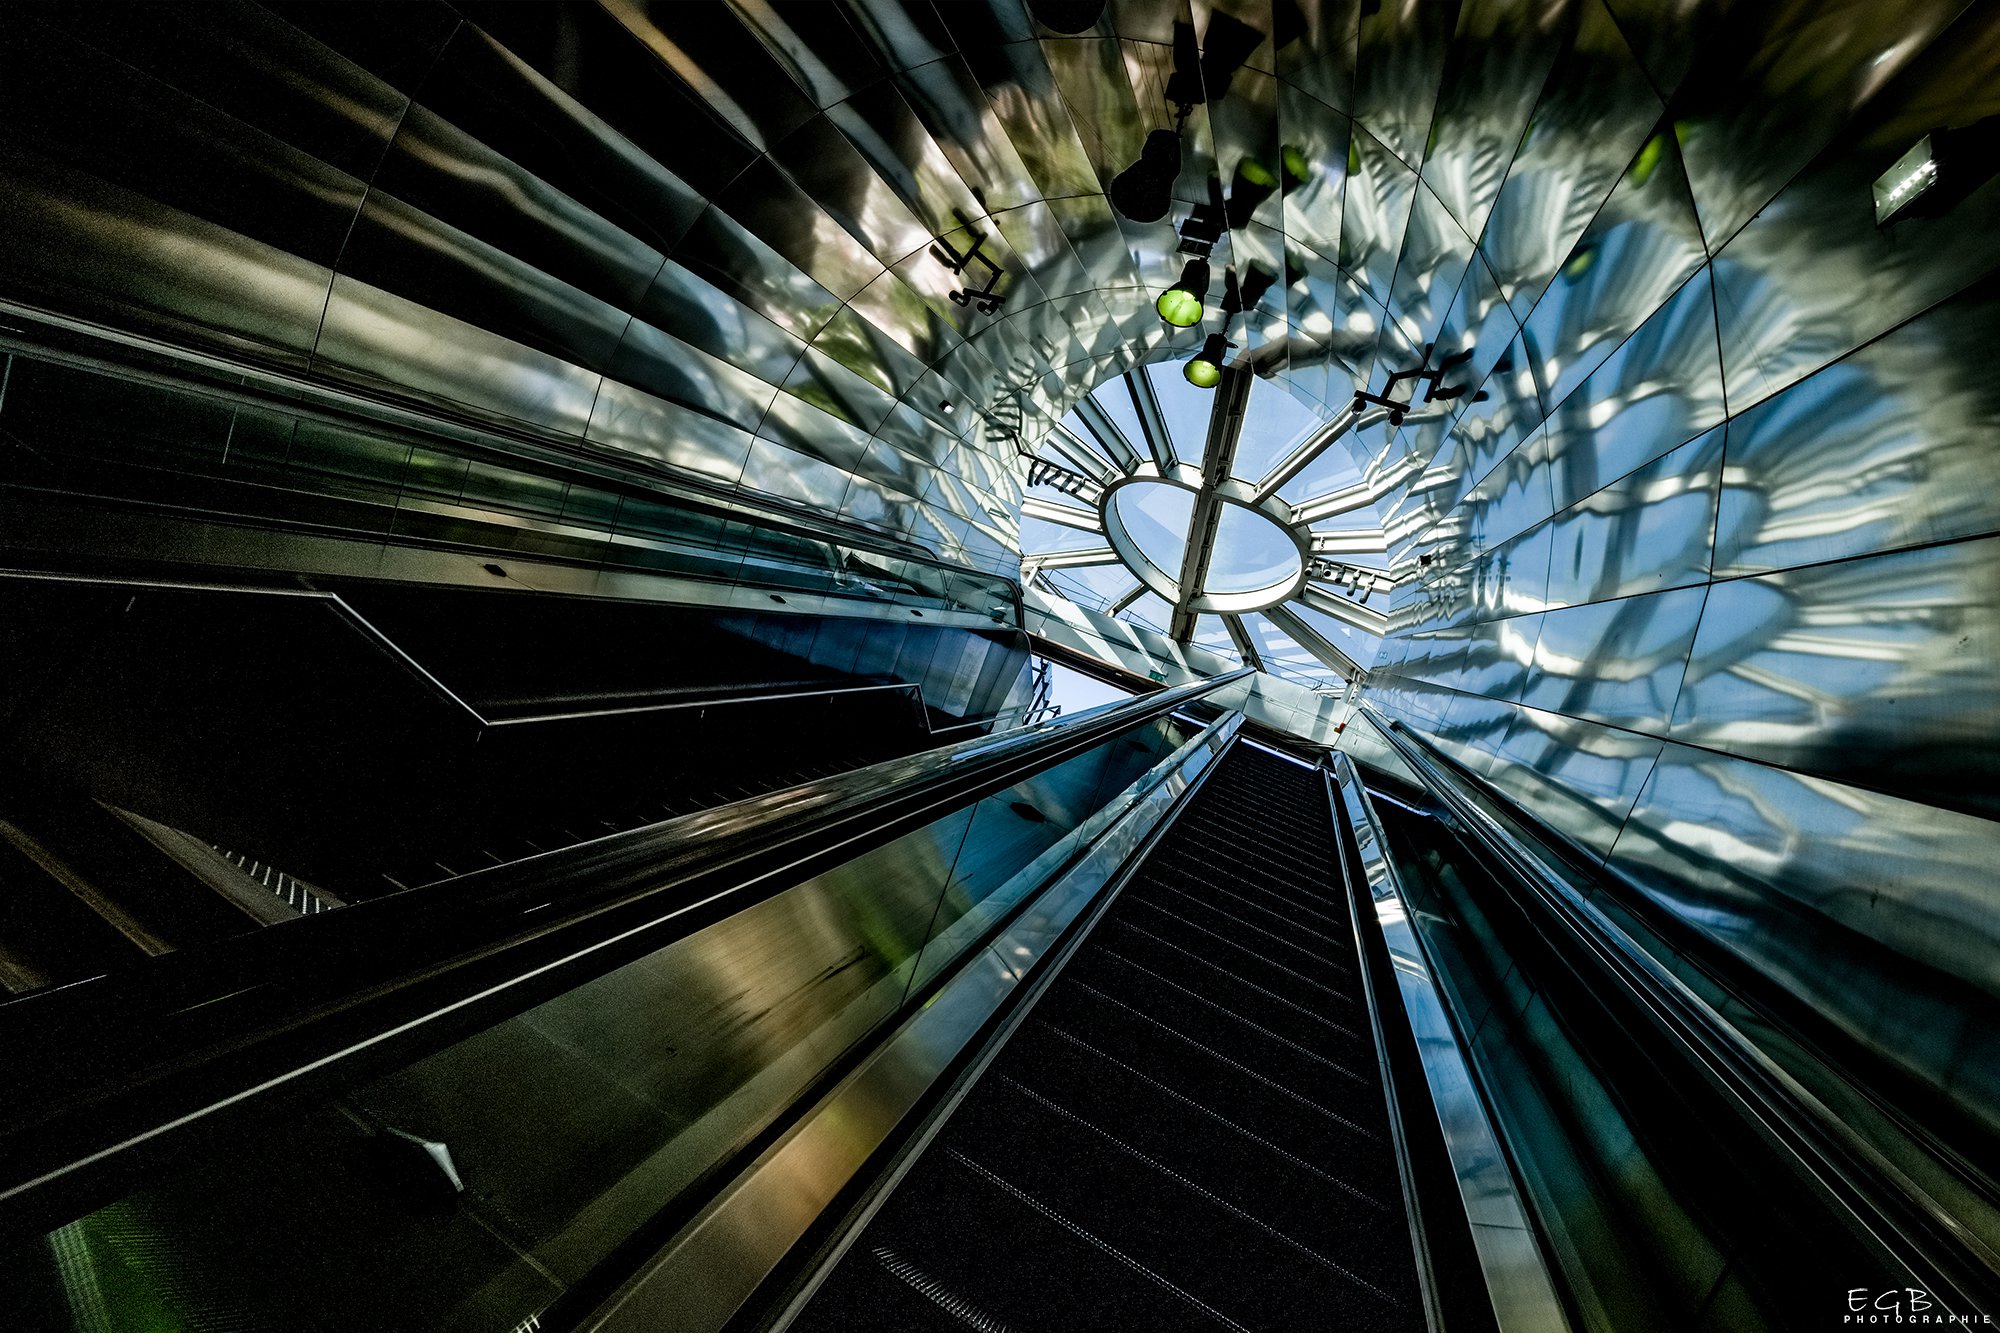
(1704, 573)
(1696, 558)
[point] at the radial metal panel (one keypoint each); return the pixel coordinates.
(1906, 423)
(1651, 529)
(1769, 865)
(1647, 637)
(1876, 672)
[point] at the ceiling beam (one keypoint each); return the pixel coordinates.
(1138, 590)
(1311, 447)
(1095, 555)
(1246, 645)
(1152, 422)
(1347, 612)
(1225, 431)
(1310, 639)
(1343, 501)
(1070, 516)
(1351, 541)
(1080, 455)
(1104, 431)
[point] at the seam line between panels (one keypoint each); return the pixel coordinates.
(368, 190)
(1709, 749)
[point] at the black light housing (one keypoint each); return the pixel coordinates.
(1228, 42)
(1252, 185)
(1184, 88)
(1180, 305)
(1069, 16)
(1145, 190)
(1204, 368)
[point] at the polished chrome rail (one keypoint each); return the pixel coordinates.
(1851, 1174)
(1516, 1273)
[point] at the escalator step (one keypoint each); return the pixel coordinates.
(1188, 1132)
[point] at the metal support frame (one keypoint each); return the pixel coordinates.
(1225, 431)
(1079, 455)
(1348, 613)
(1343, 501)
(1310, 639)
(1110, 440)
(1310, 448)
(1158, 441)
(1069, 516)
(1246, 645)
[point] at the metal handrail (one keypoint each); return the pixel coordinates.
(1923, 1236)
(1518, 1282)
(113, 1071)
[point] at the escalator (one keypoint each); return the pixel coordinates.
(1069, 1027)
(1119, 1021)
(1189, 1130)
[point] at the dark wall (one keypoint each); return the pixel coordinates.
(335, 737)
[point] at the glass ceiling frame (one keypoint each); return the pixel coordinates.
(1100, 459)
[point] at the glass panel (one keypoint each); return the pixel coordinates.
(1184, 408)
(1250, 552)
(1272, 424)
(1157, 517)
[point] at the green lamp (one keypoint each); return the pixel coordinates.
(1180, 304)
(1204, 369)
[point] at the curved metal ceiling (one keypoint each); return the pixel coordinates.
(1696, 559)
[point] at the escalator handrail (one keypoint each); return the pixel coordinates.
(111, 1071)
(1849, 1171)
(1512, 1261)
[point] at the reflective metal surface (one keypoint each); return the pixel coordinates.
(577, 1123)
(1712, 493)
(700, 1279)
(1517, 1277)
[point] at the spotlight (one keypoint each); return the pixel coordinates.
(1253, 184)
(1180, 304)
(1297, 166)
(946, 407)
(1204, 369)
(1145, 190)
(1067, 16)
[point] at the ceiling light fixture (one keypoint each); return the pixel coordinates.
(1180, 305)
(1204, 368)
(1910, 176)
(1144, 191)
